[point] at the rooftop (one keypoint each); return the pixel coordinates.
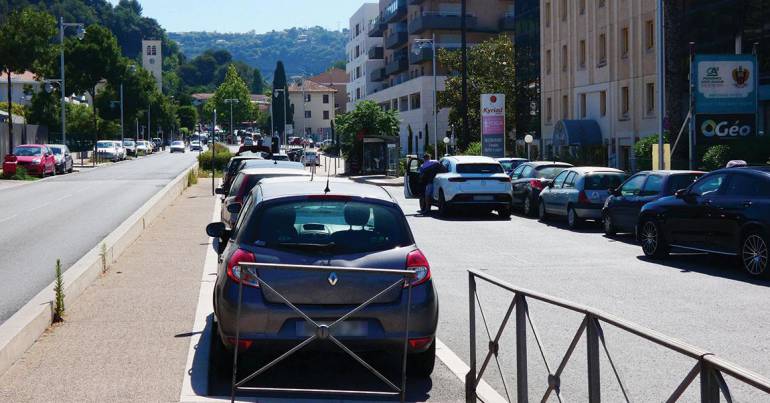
(310, 86)
(332, 76)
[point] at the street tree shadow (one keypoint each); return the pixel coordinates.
(726, 267)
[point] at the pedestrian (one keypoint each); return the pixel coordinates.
(428, 171)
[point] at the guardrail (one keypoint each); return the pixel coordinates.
(323, 332)
(708, 367)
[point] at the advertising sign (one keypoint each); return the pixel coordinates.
(725, 127)
(493, 125)
(726, 84)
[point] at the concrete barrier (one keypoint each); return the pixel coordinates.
(22, 329)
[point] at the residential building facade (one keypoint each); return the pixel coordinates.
(598, 63)
(364, 55)
(314, 110)
(337, 79)
(19, 83)
(407, 27)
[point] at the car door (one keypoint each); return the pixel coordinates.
(692, 222)
(516, 192)
(550, 194)
(651, 191)
(412, 188)
(626, 206)
(737, 205)
(567, 193)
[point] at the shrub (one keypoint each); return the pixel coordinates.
(221, 158)
(472, 149)
(643, 151)
(716, 157)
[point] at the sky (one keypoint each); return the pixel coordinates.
(246, 15)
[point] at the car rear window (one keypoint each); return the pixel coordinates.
(548, 172)
(479, 168)
(327, 226)
(604, 180)
(676, 182)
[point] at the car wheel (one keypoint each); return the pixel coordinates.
(573, 221)
(653, 244)
(421, 364)
(542, 214)
(504, 213)
(443, 208)
(528, 206)
(754, 254)
(609, 226)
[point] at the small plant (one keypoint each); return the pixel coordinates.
(58, 289)
(104, 258)
(716, 157)
(192, 178)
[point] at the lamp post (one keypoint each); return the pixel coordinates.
(464, 48)
(528, 139)
(661, 73)
(81, 32)
(231, 101)
(213, 153)
(432, 42)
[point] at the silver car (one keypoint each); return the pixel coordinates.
(579, 194)
(63, 158)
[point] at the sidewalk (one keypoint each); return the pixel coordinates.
(127, 336)
(379, 180)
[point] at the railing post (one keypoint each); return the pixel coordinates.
(470, 378)
(594, 375)
(522, 390)
(709, 386)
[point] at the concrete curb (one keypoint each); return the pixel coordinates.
(22, 329)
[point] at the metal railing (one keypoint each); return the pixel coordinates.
(708, 367)
(323, 332)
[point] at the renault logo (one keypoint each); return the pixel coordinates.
(333, 279)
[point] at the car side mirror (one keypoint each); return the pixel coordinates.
(216, 229)
(219, 191)
(550, 185)
(234, 208)
(615, 191)
(681, 193)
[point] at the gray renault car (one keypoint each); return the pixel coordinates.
(335, 223)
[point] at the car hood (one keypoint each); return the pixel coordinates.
(27, 158)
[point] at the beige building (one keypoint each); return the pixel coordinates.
(598, 64)
(312, 117)
(152, 60)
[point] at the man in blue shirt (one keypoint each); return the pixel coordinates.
(428, 170)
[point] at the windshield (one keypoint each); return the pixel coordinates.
(336, 226)
(549, 172)
(56, 150)
(105, 144)
(177, 143)
(479, 168)
(28, 151)
(604, 180)
(128, 143)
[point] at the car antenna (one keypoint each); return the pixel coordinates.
(328, 174)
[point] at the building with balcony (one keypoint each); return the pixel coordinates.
(406, 75)
(365, 56)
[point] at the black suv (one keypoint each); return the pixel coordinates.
(725, 212)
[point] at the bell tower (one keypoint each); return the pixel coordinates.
(152, 60)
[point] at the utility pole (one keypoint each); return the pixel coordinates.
(81, 33)
(213, 152)
(661, 82)
(464, 47)
(122, 127)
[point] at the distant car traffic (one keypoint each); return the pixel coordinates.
(177, 146)
(63, 157)
(579, 194)
(109, 150)
(725, 212)
(509, 164)
(621, 210)
(130, 146)
(310, 158)
(304, 222)
(529, 179)
(36, 159)
(195, 145)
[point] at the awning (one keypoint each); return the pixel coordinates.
(577, 133)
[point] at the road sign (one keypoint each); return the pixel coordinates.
(493, 125)
(726, 84)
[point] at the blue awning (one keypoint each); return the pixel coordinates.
(577, 133)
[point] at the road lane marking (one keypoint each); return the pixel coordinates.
(484, 392)
(64, 197)
(9, 218)
(40, 206)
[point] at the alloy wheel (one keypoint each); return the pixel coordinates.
(649, 238)
(754, 254)
(608, 228)
(527, 206)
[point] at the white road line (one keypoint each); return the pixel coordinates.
(9, 218)
(64, 197)
(484, 392)
(40, 206)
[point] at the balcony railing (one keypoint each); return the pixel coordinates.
(376, 53)
(420, 54)
(399, 64)
(378, 75)
(376, 27)
(430, 20)
(396, 39)
(507, 22)
(394, 12)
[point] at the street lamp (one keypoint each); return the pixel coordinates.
(231, 101)
(528, 139)
(421, 43)
(81, 32)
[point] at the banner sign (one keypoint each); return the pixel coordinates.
(493, 125)
(725, 127)
(726, 84)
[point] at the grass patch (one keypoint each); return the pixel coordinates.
(204, 173)
(192, 177)
(21, 175)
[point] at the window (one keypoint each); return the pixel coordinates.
(326, 115)
(403, 104)
(358, 93)
(479, 168)
(743, 185)
(582, 7)
(307, 98)
(394, 104)
(308, 114)
(708, 185)
(358, 72)
(624, 38)
(650, 95)
(649, 35)
(569, 183)
(548, 110)
(624, 102)
(326, 98)
(633, 186)
(527, 172)
(548, 61)
(603, 103)
(559, 180)
(602, 50)
(677, 182)
(583, 106)
(517, 172)
(563, 10)
(582, 56)
(358, 51)
(548, 14)
(653, 186)
(603, 180)
(415, 100)
(564, 58)
(358, 29)
(564, 107)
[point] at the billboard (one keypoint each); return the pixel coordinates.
(725, 127)
(725, 84)
(493, 125)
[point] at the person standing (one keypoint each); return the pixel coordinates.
(428, 171)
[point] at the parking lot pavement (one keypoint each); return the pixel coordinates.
(126, 337)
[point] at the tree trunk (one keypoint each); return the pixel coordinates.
(10, 115)
(96, 123)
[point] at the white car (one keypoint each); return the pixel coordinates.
(177, 146)
(142, 147)
(108, 150)
(310, 158)
(121, 149)
(195, 145)
(130, 146)
(466, 181)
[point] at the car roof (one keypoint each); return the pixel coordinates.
(671, 172)
(263, 163)
(276, 188)
(553, 163)
(56, 145)
(510, 159)
(759, 169)
(585, 170)
(470, 159)
(30, 145)
(275, 171)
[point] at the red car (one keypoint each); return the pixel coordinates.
(37, 159)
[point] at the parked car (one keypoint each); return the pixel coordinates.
(248, 141)
(467, 181)
(142, 147)
(529, 179)
(36, 159)
(177, 146)
(107, 150)
(621, 210)
(157, 144)
(509, 164)
(579, 194)
(233, 167)
(280, 157)
(725, 212)
(242, 185)
(348, 224)
(195, 145)
(309, 158)
(121, 150)
(130, 146)
(63, 157)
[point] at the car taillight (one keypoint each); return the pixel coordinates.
(536, 184)
(416, 261)
(239, 273)
(457, 179)
(10, 158)
(582, 198)
(420, 342)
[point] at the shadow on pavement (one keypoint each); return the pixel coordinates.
(460, 215)
(726, 267)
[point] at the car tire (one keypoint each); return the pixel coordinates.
(527, 206)
(542, 214)
(573, 221)
(608, 225)
(652, 241)
(443, 207)
(421, 365)
(504, 213)
(754, 254)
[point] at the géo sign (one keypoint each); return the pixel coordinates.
(718, 127)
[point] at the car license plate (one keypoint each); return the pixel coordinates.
(356, 328)
(483, 198)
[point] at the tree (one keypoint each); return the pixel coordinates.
(25, 38)
(368, 119)
(339, 64)
(490, 70)
(280, 98)
(257, 82)
(188, 117)
(232, 88)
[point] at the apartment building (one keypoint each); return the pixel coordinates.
(337, 79)
(598, 72)
(313, 109)
(364, 55)
(407, 73)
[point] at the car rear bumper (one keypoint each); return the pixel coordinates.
(481, 199)
(589, 211)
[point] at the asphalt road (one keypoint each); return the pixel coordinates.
(65, 216)
(703, 300)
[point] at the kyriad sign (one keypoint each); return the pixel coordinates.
(726, 84)
(493, 125)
